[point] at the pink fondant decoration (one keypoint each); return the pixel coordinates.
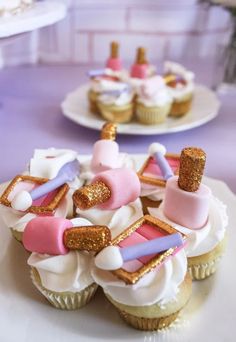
(105, 156)
(114, 64)
(132, 265)
(150, 232)
(124, 185)
(189, 209)
(44, 235)
(139, 71)
(153, 170)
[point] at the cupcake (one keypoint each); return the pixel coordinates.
(153, 101)
(65, 279)
(147, 296)
(181, 89)
(191, 208)
(115, 102)
(45, 164)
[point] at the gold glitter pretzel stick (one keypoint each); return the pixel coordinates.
(88, 238)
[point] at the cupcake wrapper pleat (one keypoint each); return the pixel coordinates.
(202, 271)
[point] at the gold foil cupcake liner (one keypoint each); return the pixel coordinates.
(92, 98)
(180, 108)
(64, 300)
(117, 114)
(202, 271)
(148, 324)
(152, 115)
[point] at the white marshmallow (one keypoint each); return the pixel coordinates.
(109, 258)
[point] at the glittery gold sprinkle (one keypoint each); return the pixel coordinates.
(133, 277)
(90, 195)
(141, 56)
(89, 238)
(114, 50)
(192, 163)
(54, 203)
(109, 131)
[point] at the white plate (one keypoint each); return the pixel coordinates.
(205, 108)
(39, 15)
(26, 316)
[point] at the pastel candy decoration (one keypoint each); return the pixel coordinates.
(96, 72)
(187, 200)
(113, 257)
(67, 173)
(139, 68)
(56, 236)
(110, 190)
(114, 62)
(158, 151)
(105, 151)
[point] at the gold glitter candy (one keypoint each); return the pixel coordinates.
(109, 131)
(141, 56)
(114, 50)
(90, 195)
(42, 209)
(192, 163)
(155, 181)
(133, 277)
(88, 238)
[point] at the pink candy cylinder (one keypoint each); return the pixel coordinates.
(189, 209)
(114, 64)
(105, 156)
(44, 235)
(124, 185)
(139, 71)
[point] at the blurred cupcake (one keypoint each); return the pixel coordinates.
(65, 280)
(153, 101)
(115, 103)
(181, 89)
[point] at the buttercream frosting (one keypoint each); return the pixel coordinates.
(70, 272)
(203, 240)
(158, 286)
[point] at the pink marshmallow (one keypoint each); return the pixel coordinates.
(105, 156)
(114, 64)
(189, 209)
(139, 71)
(44, 235)
(124, 185)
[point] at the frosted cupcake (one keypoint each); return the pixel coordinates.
(63, 276)
(181, 89)
(45, 164)
(190, 208)
(147, 296)
(115, 102)
(153, 101)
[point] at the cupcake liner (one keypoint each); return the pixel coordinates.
(64, 300)
(118, 114)
(149, 324)
(17, 235)
(92, 97)
(180, 108)
(202, 271)
(203, 266)
(151, 115)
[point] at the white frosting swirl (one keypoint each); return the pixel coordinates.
(158, 286)
(154, 92)
(70, 272)
(180, 90)
(203, 240)
(117, 220)
(124, 98)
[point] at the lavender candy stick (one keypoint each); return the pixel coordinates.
(154, 246)
(96, 72)
(158, 152)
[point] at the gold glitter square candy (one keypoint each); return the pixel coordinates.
(146, 228)
(151, 174)
(44, 205)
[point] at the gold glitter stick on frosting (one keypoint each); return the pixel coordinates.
(141, 56)
(109, 131)
(187, 200)
(114, 50)
(57, 236)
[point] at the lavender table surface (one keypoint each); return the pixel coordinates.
(30, 117)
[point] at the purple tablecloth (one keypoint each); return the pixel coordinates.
(31, 117)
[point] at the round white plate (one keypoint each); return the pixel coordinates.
(205, 108)
(39, 15)
(26, 316)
